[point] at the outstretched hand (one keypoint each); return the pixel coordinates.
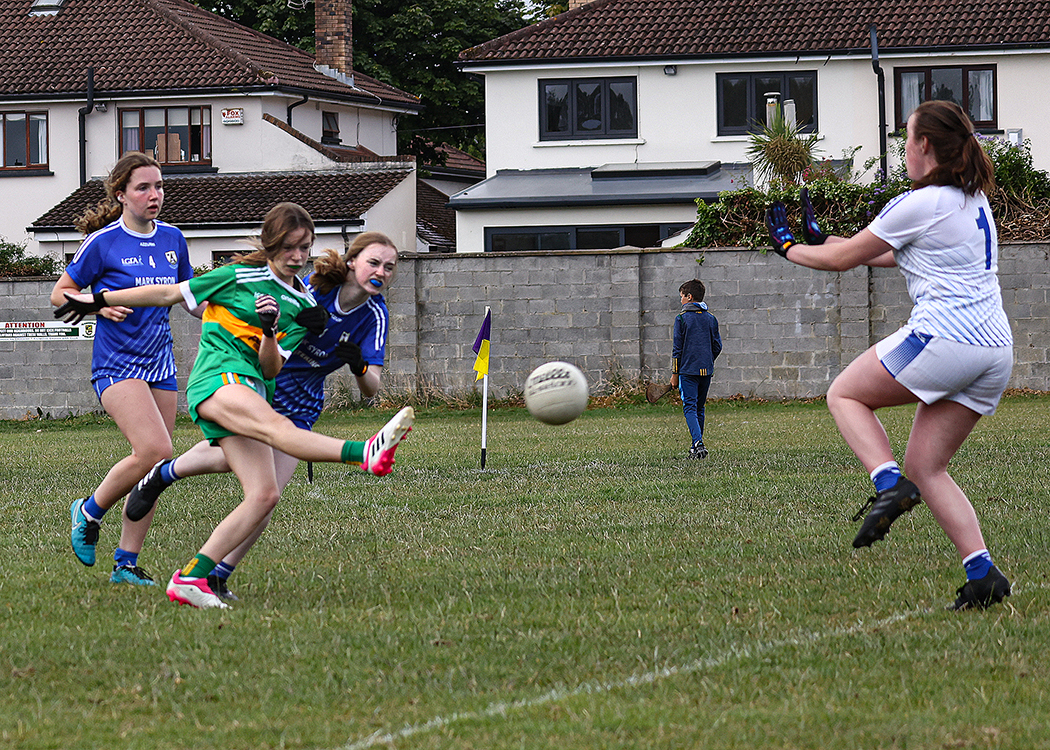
(810, 229)
(79, 305)
(779, 232)
(313, 319)
(269, 313)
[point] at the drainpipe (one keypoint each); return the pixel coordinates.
(882, 101)
(83, 113)
(293, 105)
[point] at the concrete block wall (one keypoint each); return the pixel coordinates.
(787, 330)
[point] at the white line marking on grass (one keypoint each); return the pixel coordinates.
(636, 680)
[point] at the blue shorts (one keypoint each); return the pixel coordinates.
(167, 384)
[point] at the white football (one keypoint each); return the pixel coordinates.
(556, 392)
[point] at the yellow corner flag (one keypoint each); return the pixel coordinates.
(481, 347)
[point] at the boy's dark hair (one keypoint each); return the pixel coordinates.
(694, 288)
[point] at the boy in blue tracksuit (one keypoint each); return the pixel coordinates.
(695, 347)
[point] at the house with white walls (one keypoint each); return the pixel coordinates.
(238, 121)
(604, 124)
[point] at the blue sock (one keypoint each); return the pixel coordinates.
(223, 570)
(885, 476)
(91, 509)
(167, 472)
(123, 557)
(977, 565)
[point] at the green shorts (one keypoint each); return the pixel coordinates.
(200, 390)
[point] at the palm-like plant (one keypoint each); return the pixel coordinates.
(780, 154)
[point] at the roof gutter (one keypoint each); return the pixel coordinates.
(293, 105)
(882, 101)
(83, 112)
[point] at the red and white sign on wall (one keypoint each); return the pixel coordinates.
(233, 116)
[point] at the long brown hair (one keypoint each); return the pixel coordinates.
(109, 209)
(279, 222)
(331, 268)
(961, 162)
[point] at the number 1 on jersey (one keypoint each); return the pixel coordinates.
(983, 223)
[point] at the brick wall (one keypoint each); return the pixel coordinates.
(787, 330)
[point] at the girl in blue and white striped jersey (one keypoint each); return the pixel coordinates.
(954, 355)
(350, 288)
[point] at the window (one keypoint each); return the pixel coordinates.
(330, 128)
(222, 257)
(742, 99)
(502, 239)
(576, 108)
(23, 140)
(171, 135)
(972, 87)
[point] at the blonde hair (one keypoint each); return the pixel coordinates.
(279, 222)
(109, 209)
(331, 268)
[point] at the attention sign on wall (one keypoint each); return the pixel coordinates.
(40, 330)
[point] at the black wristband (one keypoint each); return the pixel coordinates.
(100, 300)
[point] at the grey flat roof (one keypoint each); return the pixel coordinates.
(607, 185)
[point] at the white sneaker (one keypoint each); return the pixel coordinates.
(194, 592)
(379, 450)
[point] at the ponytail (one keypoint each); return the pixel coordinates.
(961, 162)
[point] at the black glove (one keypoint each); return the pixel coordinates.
(810, 229)
(269, 313)
(313, 319)
(779, 232)
(350, 353)
(73, 311)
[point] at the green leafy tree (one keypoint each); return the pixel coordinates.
(275, 18)
(415, 45)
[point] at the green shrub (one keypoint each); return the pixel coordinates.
(1014, 173)
(1020, 203)
(14, 262)
(736, 219)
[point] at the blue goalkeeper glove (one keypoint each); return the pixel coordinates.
(810, 229)
(779, 232)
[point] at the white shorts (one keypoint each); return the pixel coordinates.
(935, 368)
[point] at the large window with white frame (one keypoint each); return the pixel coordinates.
(972, 87)
(742, 99)
(171, 135)
(23, 140)
(581, 108)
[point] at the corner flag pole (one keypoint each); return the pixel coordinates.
(484, 417)
(481, 366)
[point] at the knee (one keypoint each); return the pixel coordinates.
(154, 452)
(264, 500)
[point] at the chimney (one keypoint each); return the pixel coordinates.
(333, 36)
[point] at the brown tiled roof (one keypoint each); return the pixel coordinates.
(459, 162)
(330, 196)
(606, 29)
(156, 46)
(435, 221)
